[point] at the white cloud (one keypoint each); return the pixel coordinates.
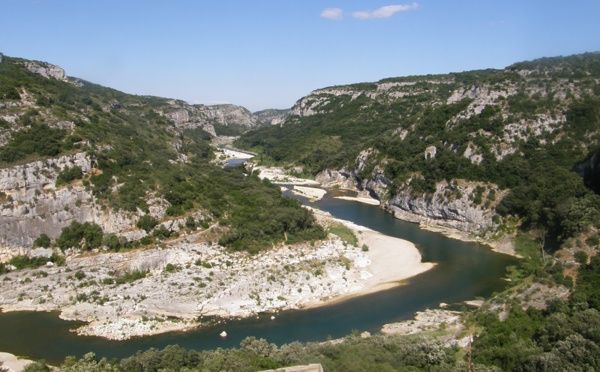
(332, 13)
(361, 15)
(384, 12)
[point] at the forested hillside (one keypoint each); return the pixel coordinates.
(115, 157)
(519, 142)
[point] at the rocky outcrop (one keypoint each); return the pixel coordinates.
(33, 205)
(206, 117)
(39, 174)
(430, 152)
(460, 205)
(270, 117)
(229, 115)
(307, 368)
(337, 178)
(443, 208)
(473, 154)
(46, 70)
(323, 101)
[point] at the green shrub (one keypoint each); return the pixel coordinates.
(130, 277)
(114, 242)
(42, 241)
(79, 275)
(170, 268)
(581, 257)
(190, 223)
(39, 140)
(69, 175)
(147, 223)
(87, 236)
(593, 241)
(26, 262)
(146, 240)
(161, 233)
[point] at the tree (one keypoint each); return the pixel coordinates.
(87, 236)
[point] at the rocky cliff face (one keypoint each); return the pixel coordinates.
(450, 206)
(460, 205)
(270, 117)
(206, 117)
(46, 70)
(322, 101)
(33, 205)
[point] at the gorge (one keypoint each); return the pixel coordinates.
(117, 210)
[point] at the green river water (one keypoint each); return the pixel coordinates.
(463, 271)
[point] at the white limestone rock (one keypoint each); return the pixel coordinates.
(47, 70)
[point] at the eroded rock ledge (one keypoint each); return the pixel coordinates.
(460, 209)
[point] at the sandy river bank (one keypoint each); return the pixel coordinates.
(188, 280)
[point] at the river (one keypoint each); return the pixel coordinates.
(463, 271)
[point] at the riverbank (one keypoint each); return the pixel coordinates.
(12, 363)
(390, 261)
(447, 325)
(185, 281)
(311, 193)
(279, 175)
(364, 200)
(502, 244)
(235, 154)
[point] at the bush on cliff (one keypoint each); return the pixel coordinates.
(42, 241)
(86, 236)
(69, 175)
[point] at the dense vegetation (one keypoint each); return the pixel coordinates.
(565, 336)
(355, 354)
(38, 140)
(545, 192)
(137, 153)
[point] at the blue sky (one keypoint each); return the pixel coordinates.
(269, 53)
